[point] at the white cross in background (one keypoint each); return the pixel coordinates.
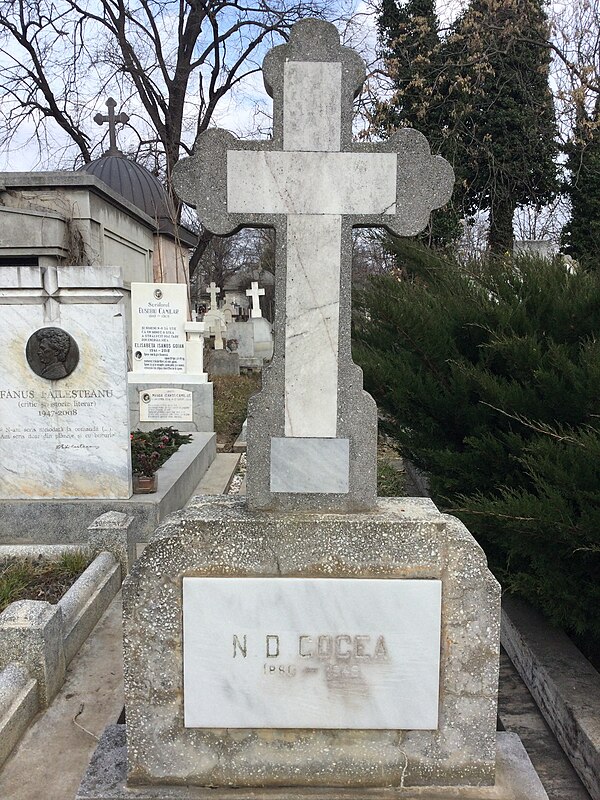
(217, 331)
(214, 291)
(254, 292)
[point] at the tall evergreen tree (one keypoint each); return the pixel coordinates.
(488, 374)
(500, 110)
(481, 96)
(581, 235)
(410, 47)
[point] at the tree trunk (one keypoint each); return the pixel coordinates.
(501, 237)
(204, 240)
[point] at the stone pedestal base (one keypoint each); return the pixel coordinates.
(516, 779)
(402, 539)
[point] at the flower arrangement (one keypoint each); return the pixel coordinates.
(150, 450)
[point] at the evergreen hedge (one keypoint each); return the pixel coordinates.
(488, 378)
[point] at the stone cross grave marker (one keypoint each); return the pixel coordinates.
(312, 430)
(322, 651)
(255, 293)
(214, 291)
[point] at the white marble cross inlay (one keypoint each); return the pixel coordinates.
(255, 293)
(313, 183)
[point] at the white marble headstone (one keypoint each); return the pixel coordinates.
(65, 437)
(159, 314)
(311, 653)
(166, 405)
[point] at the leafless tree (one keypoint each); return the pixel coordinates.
(171, 62)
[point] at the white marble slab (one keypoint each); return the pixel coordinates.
(166, 405)
(311, 653)
(312, 329)
(270, 182)
(158, 317)
(312, 105)
(65, 438)
(310, 466)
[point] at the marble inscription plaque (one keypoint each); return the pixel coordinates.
(165, 405)
(311, 653)
(159, 314)
(64, 422)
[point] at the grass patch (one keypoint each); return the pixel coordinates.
(391, 482)
(231, 394)
(391, 477)
(31, 580)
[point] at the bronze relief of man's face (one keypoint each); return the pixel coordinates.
(52, 353)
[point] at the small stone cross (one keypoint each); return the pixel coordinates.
(255, 293)
(213, 291)
(216, 329)
(312, 431)
(111, 118)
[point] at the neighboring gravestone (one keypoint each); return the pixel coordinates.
(168, 385)
(255, 293)
(254, 341)
(253, 337)
(64, 427)
(308, 653)
(214, 319)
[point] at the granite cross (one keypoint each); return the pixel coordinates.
(312, 430)
(255, 293)
(112, 120)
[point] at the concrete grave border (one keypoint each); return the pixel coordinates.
(38, 640)
(564, 685)
(63, 521)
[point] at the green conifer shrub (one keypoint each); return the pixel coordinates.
(488, 378)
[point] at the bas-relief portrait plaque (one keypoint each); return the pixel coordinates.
(311, 653)
(52, 353)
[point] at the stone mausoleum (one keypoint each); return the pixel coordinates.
(111, 211)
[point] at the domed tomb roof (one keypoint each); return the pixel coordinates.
(134, 182)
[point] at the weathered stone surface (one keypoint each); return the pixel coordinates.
(32, 633)
(112, 531)
(564, 684)
(18, 705)
(66, 521)
(312, 183)
(105, 780)
(403, 538)
(221, 362)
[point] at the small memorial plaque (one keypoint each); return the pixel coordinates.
(311, 653)
(159, 314)
(165, 405)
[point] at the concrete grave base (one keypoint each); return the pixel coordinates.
(405, 538)
(221, 362)
(516, 779)
(67, 521)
